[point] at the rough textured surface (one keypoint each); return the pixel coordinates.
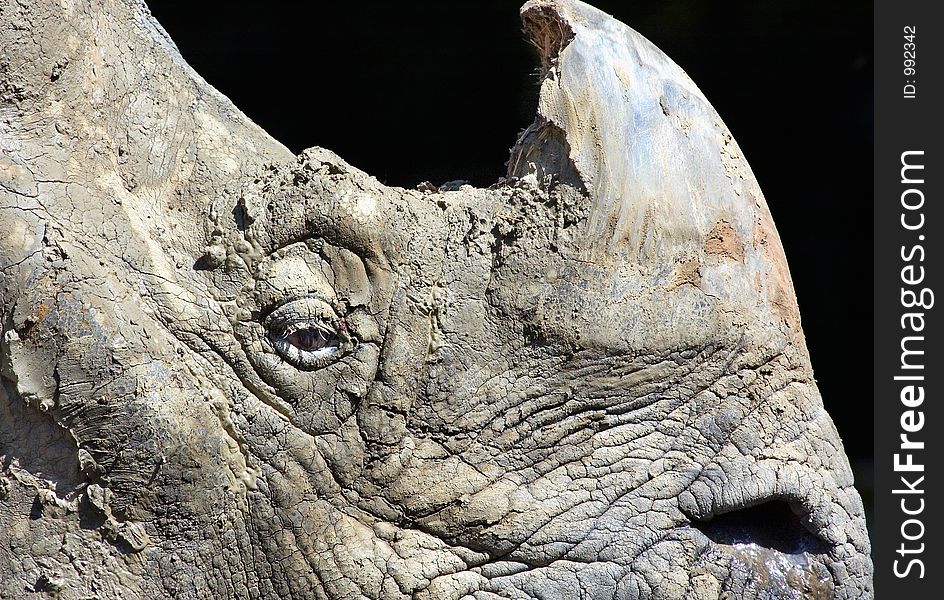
(230, 372)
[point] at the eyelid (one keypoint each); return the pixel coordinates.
(301, 325)
(269, 310)
(309, 312)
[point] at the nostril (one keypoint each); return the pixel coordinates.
(774, 524)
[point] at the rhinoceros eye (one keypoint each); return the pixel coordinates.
(307, 333)
(313, 340)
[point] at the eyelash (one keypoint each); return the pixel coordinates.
(307, 333)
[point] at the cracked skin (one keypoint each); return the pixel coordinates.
(231, 372)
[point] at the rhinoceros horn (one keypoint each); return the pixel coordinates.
(227, 371)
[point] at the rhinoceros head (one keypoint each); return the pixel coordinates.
(233, 372)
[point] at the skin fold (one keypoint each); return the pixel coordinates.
(231, 372)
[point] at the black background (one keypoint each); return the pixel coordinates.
(907, 125)
(437, 91)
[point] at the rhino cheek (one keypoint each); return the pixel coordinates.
(589, 381)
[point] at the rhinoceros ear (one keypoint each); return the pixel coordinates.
(668, 187)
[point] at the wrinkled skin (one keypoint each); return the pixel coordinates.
(588, 381)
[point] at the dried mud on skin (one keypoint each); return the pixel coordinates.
(583, 382)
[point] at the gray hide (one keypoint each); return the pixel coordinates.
(230, 372)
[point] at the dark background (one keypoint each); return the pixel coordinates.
(436, 90)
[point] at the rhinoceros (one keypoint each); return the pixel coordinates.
(233, 372)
